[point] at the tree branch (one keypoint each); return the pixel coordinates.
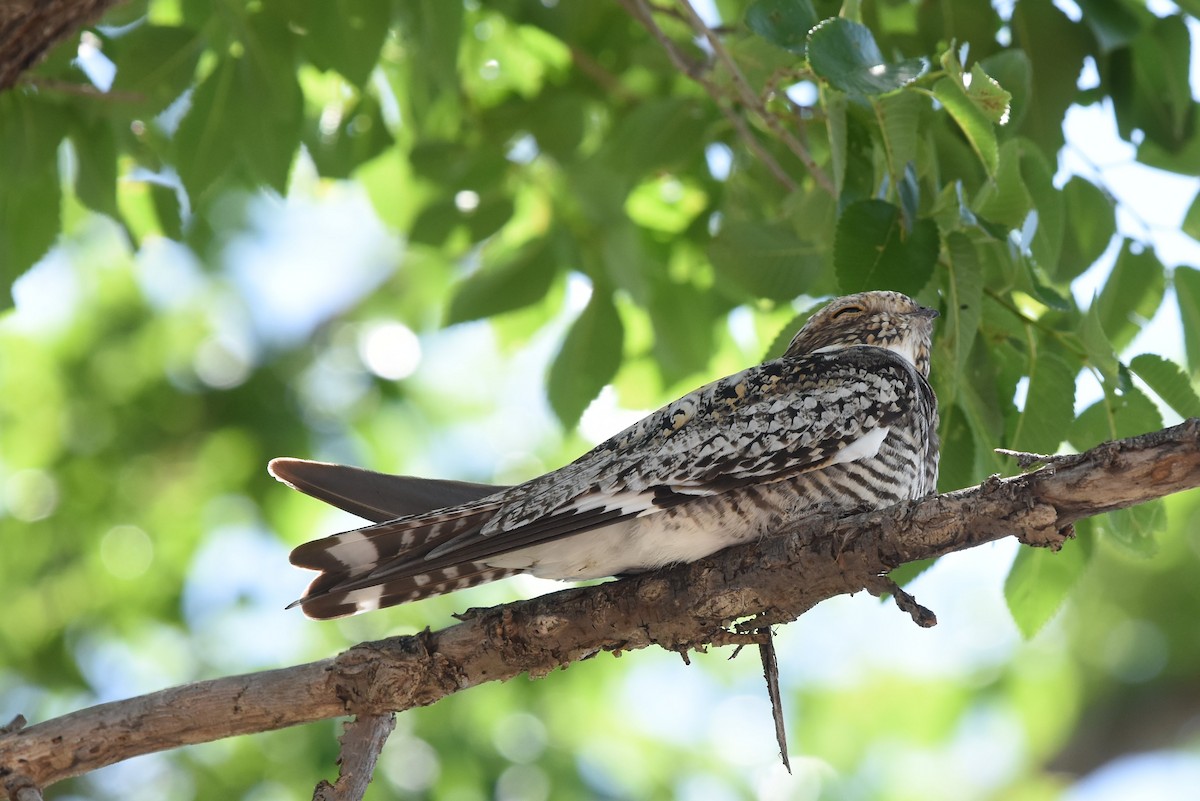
(685, 607)
(362, 741)
(29, 28)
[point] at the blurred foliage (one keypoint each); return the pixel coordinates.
(237, 214)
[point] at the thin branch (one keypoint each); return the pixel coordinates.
(751, 100)
(362, 741)
(697, 72)
(685, 607)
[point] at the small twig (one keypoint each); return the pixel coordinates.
(362, 741)
(44, 84)
(922, 616)
(1026, 460)
(751, 100)
(639, 11)
(766, 651)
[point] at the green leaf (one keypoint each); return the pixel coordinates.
(1056, 48)
(1039, 582)
(835, 104)
(1135, 529)
(1049, 406)
(96, 176)
(1113, 24)
(1115, 417)
(515, 280)
(30, 198)
(1099, 349)
(1150, 87)
(873, 251)
(844, 53)
(155, 64)
(1168, 381)
(964, 301)
(245, 118)
(1046, 244)
(784, 23)
(683, 317)
(345, 35)
(588, 359)
(360, 136)
(1004, 199)
(760, 260)
(1191, 220)
(991, 98)
(1090, 224)
(1133, 290)
(1187, 295)
(1011, 69)
(898, 114)
(975, 124)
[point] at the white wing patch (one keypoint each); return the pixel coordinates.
(865, 447)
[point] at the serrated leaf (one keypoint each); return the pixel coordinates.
(1135, 529)
(1168, 381)
(991, 98)
(1090, 224)
(1049, 406)
(873, 251)
(784, 23)
(845, 54)
(964, 299)
(1133, 290)
(898, 114)
(512, 282)
(1046, 242)
(588, 359)
(973, 122)
(1097, 344)
(1004, 199)
(1187, 295)
(1039, 582)
(764, 261)
(1115, 417)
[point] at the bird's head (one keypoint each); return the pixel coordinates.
(883, 319)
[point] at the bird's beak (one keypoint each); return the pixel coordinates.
(928, 314)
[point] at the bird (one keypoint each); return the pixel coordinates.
(844, 419)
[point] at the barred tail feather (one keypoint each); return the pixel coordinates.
(384, 564)
(327, 598)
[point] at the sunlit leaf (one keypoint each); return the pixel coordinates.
(845, 54)
(501, 285)
(1187, 294)
(1039, 582)
(973, 121)
(1090, 225)
(1131, 295)
(1049, 406)
(1168, 382)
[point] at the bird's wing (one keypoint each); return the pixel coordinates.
(766, 424)
(375, 496)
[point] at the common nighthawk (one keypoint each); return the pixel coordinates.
(844, 419)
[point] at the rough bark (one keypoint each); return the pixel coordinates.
(710, 602)
(29, 28)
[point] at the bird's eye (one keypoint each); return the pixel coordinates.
(847, 310)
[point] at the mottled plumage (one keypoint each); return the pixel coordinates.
(844, 419)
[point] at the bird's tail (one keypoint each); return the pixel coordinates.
(385, 564)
